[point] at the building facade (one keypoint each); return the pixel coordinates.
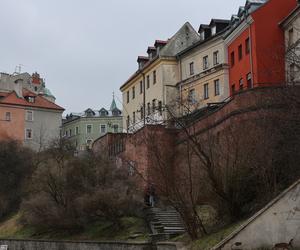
(84, 128)
(28, 112)
(291, 28)
(204, 68)
(256, 44)
(153, 86)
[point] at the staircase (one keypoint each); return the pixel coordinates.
(164, 223)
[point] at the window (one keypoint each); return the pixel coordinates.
(213, 30)
(128, 121)
(141, 87)
(133, 117)
(205, 62)
(35, 88)
(240, 52)
(192, 96)
(216, 57)
(154, 77)
(28, 133)
(88, 129)
(127, 96)
(241, 82)
(89, 142)
(153, 105)
(249, 80)
(133, 92)
(232, 58)
(102, 129)
(206, 93)
(77, 131)
(142, 112)
(29, 116)
(292, 72)
(191, 68)
(247, 46)
(148, 108)
(202, 35)
(31, 99)
(160, 107)
(291, 35)
(116, 128)
(7, 116)
(70, 133)
(217, 87)
(148, 82)
(233, 88)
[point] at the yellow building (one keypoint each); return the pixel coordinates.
(204, 76)
(153, 86)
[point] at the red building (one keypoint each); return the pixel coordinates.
(256, 44)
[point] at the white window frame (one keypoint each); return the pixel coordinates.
(213, 30)
(101, 128)
(216, 58)
(32, 115)
(205, 62)
(192, 68)
(8, 116)
(217, 87)
(206, 91)
(91, 128)
(28, 138)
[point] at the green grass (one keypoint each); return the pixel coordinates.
(211, 240)
(132, 229)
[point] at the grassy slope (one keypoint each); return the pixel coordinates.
(11, 228)
(213, 239)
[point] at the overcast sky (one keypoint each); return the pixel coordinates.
(86, 49)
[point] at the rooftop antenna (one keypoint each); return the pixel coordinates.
(18, 69)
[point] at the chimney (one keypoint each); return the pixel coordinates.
(18, 87)
(142, 60)
(36, 78)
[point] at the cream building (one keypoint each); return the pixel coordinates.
(204, 76)
(153, 86)
(291, 27)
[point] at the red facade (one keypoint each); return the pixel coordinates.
(262, 63)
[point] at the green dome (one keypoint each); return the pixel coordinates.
(47, 92)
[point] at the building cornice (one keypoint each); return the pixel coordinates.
(144, 71)
(203, 74)
(238, 30)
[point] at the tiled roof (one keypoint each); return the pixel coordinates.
(40, 102)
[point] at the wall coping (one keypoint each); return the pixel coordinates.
(254, 217)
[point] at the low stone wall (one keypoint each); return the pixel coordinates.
(16, 244)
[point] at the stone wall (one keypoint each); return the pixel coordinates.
(15, 244)
(278, 222)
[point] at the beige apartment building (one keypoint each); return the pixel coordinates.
(291, 27)
(204, 69)
(152, 88)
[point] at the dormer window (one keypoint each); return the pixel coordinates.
(89, 113)
(202, 35)
(103, 112)
(213, 30)
(30, 99)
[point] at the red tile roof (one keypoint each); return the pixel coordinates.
(40, 101)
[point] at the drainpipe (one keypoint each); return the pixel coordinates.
(251, 61)
(180, 85)
(144, 99)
